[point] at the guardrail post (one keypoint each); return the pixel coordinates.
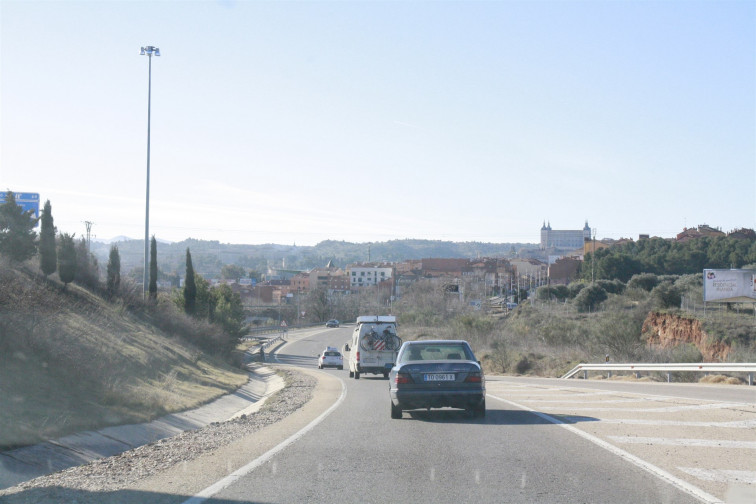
(585, 374)
(750, 379)
(668, 377)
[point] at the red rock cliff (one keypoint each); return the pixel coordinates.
(665, 330)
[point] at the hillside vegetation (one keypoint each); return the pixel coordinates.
(561, 327)
(72, 361)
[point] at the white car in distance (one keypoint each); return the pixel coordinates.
(330, 357)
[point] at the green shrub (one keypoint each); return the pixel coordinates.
(645, 281)
(666, 295)
(589, 298)
(574, 289)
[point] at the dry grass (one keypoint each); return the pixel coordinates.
(70, 361)
(722, 380)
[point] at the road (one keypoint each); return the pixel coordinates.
(545, 441)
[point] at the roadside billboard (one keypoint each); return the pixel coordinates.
(729, 286)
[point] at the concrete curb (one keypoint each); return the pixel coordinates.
(23, 464)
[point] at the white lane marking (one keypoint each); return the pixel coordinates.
(656, 471)
(574, 392)
(571, 400)
(653, 397)
(243, 471)
(668, 409)
(721, 475)
(741, 424)
(705, 443)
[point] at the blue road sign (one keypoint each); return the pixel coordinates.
(27, 201)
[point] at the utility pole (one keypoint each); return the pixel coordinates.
(88, 224)
(593, 254)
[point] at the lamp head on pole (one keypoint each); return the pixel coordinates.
(149, 51)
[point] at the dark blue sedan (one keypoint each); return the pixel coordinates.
(437, 374)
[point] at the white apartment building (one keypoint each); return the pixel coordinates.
(368, 276)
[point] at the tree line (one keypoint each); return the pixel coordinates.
(60, 253)
(667, 257)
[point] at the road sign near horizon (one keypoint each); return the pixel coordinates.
(27, 201)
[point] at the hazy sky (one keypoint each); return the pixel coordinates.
(296, 122)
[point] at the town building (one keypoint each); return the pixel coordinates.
(701, 231)
(569, 239)
(363, 275)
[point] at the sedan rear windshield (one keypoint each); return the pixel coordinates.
(436, 352)
(332, 354)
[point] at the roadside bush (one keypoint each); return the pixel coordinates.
(476, 328)
(619, 335)
(561, 292)
(210, 337)
(549, 292)
(574, 289)
(498, 358)
(611, 286)
(543, 293)
(589, 298)
(645, 281)
(666, 295)
(523, 365)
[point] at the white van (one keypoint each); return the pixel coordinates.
(374, 346)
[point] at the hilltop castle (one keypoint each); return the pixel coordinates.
(571, 239)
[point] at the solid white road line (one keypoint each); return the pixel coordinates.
(669, 409)
(704, 443)
(243, 471)
(652, 469)
(740, 424)
(721, 475)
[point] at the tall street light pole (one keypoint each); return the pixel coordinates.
(149, 51)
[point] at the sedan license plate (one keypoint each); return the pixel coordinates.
(439, 377)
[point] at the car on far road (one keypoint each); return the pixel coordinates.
(332, 323)
(437, 374)
(330, 357)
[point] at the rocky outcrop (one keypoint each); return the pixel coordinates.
(665, 330)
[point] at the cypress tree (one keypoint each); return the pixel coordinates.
(48, 257)
(153, 269)
(87, 267)
(190, 287)
(66, 258)
(17, 235)
(114, 270)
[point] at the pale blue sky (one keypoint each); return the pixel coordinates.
(303, 121)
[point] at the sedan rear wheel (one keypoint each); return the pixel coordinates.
(396, 411)
(479, 410)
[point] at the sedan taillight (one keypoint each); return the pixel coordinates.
(403, 378)
(474, 378)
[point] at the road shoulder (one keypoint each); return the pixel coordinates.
(190, 477)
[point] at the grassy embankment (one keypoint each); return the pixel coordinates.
(72, 361)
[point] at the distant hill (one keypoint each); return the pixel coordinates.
(208, 257)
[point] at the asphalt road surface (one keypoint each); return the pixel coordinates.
(543, 441)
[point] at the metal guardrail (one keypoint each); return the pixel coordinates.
(704, 367)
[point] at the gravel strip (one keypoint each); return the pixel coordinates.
(129, 467)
